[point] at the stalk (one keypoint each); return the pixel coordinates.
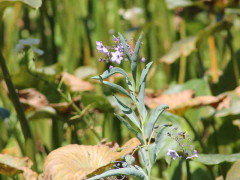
(29, 139)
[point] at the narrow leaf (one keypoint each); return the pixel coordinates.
(153, 119)
(124, 44)
(110, 72)
(128, 112)
(142, 86)
(144, 157)
(137, 48)
(116, 88)
(158, 142)
(128, 125)
(132, 171)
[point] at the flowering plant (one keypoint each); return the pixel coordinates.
(141, 123)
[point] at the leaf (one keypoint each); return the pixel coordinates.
(180, 102)
(129, 159)
(144, 157)
(180, 48)
(128, 112)
(78, 161)
(116, 88)
(172, 4)
(76, 84)
(213, 159)
(10, 165)
(233, 173)
(185, 46)
(158, 142)
(142, 85)
(32, 99)
(43, 113)
(134, 58)
(124, 44)
(131, 171)
(32, 3)
(153, 119)
(110, 72)
(129, 126)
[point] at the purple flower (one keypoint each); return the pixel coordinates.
(115, 39)
(100, 59)
(117, 57)
(110, 67)
(173, 154)
(143, 59)
(194, 155)
(101, 48)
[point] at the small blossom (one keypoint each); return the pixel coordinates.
(117, 57)
(101, 48)
(115, 39)
(29, 42)
(143, 59)
(173, 154)
(100, 59)
(194, 155)
(38, 51)
(110, 67)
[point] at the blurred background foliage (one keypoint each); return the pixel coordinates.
(195, 47)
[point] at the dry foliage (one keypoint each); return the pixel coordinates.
(10, 165)
(77, 161)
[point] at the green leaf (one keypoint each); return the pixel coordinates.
(130, 171)
(142, 86)
(124, 44)
(213, 159)
(183, 47)
(144, 157)
(6, 3)
(116, 88)
(153, 119)
(128, 112)
(136, 50)
(129, 159)
(110, 72)
(128, 125)
(158, 142)
(43, 113)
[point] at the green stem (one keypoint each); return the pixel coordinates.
(29, 140)
(196, 134)
(188, 170)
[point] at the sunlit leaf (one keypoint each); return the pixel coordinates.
(117, 88)
(110, 72)
(180, 102)
(128, 112)
(78, 161)
(32, 98)
(180, 48)
(213, 159)
(76, 84)
(153, 119)
(10, 165)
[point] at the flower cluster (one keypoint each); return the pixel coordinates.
(182, 139)
(186, 155)
(30, 42)
(114, 54)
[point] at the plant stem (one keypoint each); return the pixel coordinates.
(196, 134)
(29, 140)
(188, 170)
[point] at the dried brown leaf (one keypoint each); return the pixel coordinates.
(10, 165)
(32, 98)
(77, 161)
(76, 83)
